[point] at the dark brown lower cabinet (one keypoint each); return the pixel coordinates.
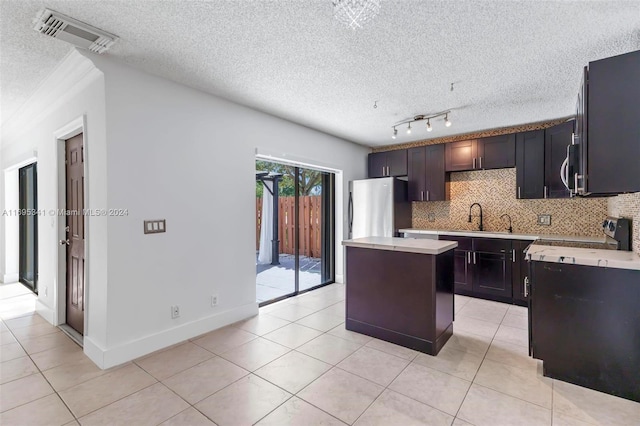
(486, 268)
(520, 271)
(463, 273)
(492, 266)
(584, 326)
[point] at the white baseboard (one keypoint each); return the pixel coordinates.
(110, 357)
(340, 279)
(45, 312)
(10, 278)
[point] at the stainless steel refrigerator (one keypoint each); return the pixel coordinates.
(378, 207)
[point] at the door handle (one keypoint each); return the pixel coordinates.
(64, 242)
(388, 174)
(513, 253)
(474, 163)
(474, 257)
(546, 191)
(519, 193)
(480, 161)
(469, 257)
(427, 195)
(421, 195)
(383, 173)
(526, 287)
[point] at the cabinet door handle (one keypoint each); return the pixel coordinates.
(427, 195)
(474, 257)
(421, 195)
(513, 253)
(383, 171)
(546, 191)
(469, 257)
(519, 193)
(474, 163)
(388, 173)
(526, 287)
(480, 161)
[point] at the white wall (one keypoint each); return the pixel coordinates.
(178, 154)
(171, 152)
(74, 91)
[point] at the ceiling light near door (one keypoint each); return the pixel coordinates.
(422, 117)
(355, 13)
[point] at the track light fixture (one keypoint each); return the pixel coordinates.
(422, 117)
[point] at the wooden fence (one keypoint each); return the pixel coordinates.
(310, 222)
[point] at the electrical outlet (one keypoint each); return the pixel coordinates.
(214, 300)
(544, 219)
(431, 217)
(175, 311)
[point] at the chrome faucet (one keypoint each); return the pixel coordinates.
(510, 229)
(471, 217)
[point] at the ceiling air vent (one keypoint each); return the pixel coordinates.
(72, 31)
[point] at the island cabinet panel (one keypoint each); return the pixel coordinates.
(403, 298)
(584, 326)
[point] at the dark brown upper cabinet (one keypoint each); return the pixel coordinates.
(495, 152)
(556, 141)
(389, 163)
(427, 177)
(610, 136)
(539, 157)
(530, 164)
(461, 156)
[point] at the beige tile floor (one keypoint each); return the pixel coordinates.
(294, 364)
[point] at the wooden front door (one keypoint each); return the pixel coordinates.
(74, 159)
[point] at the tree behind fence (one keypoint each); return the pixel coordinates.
(310, 220)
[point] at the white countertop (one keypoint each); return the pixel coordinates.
(409, 245)
(583, 256)
(505, 235)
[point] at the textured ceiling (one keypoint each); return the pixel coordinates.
(512, 62)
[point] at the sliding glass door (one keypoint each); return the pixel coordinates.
(295, 230)
(28, 227)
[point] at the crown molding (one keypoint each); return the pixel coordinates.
(74, 73)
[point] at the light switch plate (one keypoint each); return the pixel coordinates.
(544, 219)
(155, 226)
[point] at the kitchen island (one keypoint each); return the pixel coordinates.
(401, 290)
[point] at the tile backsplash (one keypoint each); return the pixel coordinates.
(628, 205)
(495, 190)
